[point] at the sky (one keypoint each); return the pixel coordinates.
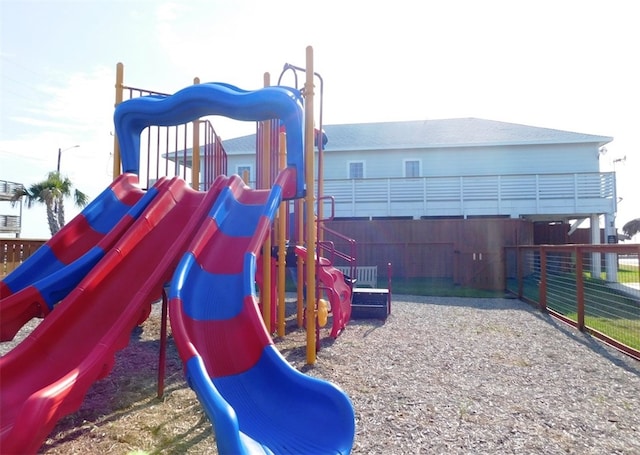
(565, 64)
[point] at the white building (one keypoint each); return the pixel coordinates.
(10, 216)
(458, 168)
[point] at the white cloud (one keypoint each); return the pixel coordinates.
(77, 111)
(567, 65)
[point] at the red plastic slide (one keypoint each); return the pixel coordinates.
(38, 299)
(47, 376)
(337, 288)
(78, 236)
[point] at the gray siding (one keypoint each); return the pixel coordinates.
(534, 159)
(468, 167)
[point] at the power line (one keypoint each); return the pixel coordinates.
(36, 73)
(19, 155)
(19, 87)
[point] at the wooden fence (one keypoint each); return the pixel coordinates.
(468, 252)
(14, 252)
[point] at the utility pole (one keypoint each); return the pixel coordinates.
(60, 155)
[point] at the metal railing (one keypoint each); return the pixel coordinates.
(7, 189)
(595, 288)
(334, 254)
(10, 223)
(592, 192)
(328, 237)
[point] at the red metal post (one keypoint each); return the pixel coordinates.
(519, 272)
(580, 287)
(162, 358)
(543, 280)
(389, 286)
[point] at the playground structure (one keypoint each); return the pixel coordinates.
(167, 151)
(209, 242)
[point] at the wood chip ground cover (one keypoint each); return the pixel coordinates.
(440, 375)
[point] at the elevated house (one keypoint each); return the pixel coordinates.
(10, 222)
(444, 197)
(457, 168)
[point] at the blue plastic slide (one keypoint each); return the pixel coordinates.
(257, 402)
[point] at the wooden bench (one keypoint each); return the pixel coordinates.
(366, 276)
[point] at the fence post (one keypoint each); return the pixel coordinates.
(389, 286)
(580, 288)
(519, 272)
(543, 279)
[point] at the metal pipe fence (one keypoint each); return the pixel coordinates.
(595, 288)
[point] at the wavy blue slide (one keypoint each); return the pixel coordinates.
(256, 401)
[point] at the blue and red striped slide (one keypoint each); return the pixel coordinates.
(47, 276)
(256, 401)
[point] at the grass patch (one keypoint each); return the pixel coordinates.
(628, 274)
(441, 287)
(626, 331)
(607, 310)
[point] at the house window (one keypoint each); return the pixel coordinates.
(243, 169)
(412, 168)
(355, 169)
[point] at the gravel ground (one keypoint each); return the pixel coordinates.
(449, 375)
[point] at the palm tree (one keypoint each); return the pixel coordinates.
(51, 192)
(632, 227)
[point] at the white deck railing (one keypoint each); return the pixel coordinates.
(366, 276)
(512, 195)
(9, 223)
(7, 189)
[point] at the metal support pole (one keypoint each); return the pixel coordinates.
(195, 151)
(310, 215)
(282, 240)
(265, 297)
(119, 96)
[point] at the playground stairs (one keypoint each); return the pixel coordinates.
(370, 303)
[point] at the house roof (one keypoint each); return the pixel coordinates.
(459, 132)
